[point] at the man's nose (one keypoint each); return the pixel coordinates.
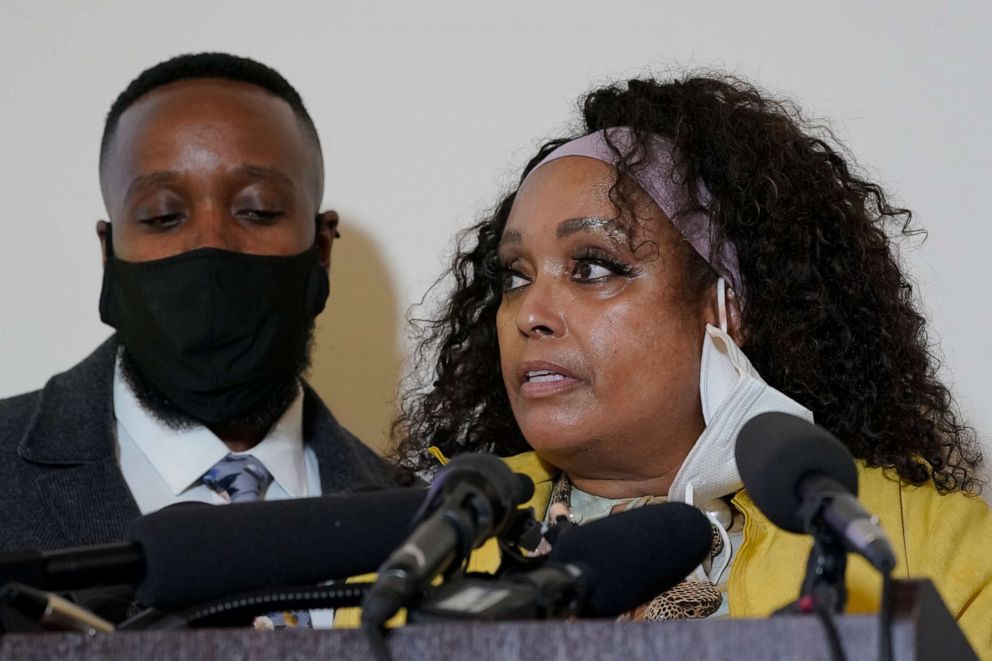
(542, 311)
(213, 226)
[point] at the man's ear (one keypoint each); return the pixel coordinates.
(103, 233)
(327, 231)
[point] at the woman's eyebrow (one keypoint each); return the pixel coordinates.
(616, 232)
(510, 236)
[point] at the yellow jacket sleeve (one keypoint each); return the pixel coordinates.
(948, 539)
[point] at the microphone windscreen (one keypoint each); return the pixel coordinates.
(629, 558)
(194, 554)
(524, 489)
(775, 451)
(508, 489)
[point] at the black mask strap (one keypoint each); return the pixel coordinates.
(108, 242)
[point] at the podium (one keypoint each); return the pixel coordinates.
(921, 629)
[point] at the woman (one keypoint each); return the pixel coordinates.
(694, 256)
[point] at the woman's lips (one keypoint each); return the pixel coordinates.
(543, 379)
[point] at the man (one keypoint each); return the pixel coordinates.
(215, 265)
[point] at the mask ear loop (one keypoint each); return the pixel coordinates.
(108, 240)
(721, 302)
(698, 574)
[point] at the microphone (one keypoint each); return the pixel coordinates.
(50, 611)
(471, 499)
(805, 481)
(585, 574)
(661, 545)
(71, 569)
(187, 554)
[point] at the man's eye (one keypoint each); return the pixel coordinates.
(260, 215)
(163, 220)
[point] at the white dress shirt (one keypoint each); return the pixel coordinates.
(163, 466)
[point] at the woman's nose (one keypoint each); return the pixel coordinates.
(541, 312)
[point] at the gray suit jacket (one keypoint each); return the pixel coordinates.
(60, 483)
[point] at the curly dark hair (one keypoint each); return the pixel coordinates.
(828, 316)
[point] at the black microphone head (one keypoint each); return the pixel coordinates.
(631, 557)
(193, 554)
(511, 488)
(775, 451)
(523, 489)
(505, 489)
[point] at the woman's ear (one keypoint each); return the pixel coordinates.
(735, 328)
(723, 310)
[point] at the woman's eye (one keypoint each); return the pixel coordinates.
(591, 271)
(512, 280)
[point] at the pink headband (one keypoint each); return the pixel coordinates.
(656, 176)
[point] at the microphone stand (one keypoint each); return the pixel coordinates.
(824, 581)
(823, 592)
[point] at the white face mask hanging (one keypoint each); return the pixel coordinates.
(731, 393)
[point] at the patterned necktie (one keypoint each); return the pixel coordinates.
(244, 479)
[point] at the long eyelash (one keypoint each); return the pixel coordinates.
(603, 258)
(496, 268)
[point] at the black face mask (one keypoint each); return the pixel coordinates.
(214, 330)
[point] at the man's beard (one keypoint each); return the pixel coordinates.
(257, 421)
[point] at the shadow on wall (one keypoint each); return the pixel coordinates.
(356, 365)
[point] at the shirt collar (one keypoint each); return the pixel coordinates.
(182, 456)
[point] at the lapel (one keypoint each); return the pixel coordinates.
(71, 443)
(345, 464)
